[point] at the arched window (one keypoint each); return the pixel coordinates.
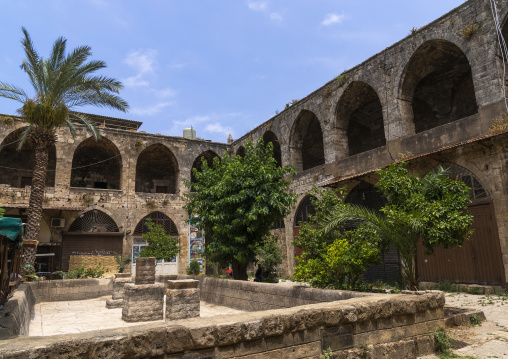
(16, 167)
(269, 137)
(241, 151)
(96, 164)
(94, 221)
(307, 149)
(156, 170)
(305, 209)
(160, 219)
(438, 86)
(209, 156)
(476, 191)
(360, 115)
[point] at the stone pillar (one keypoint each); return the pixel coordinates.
(182, 299)
(121, 279)
(144, 300)
(145, 270)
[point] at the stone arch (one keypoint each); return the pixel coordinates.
(270, 137)
(360, 118)
(437, 86)
(365, 194)
(209, 156)
(306, 144)
(304, 210)
(477, 192)
(157, 170)
(240, 151)
(96, 164)
(159, 218)
(94, 221)
(16, 167)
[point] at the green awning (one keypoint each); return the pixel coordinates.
(12, 228)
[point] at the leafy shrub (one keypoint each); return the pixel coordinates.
(475, 320)
(442, 341)
(90, 272)
(122, 262)
(160, 244)
(194, 268)
(269, 257)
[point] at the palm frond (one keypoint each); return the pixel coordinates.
(32, 66)
(24, 136)
(99, 99)
(12, 92)
(71, 126)
(90, 125)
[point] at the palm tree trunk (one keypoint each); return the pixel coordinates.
(36, 200)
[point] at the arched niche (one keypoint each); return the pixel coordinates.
(94, 221)
(157, 218)
(437, 86)
(304, 210)
(477, 192)
(365, 194)
(360, 116)
(16, 167)
(270, 137)
(240, 151)
(208, 156)
(157, 170)
(96, 164)
(307, 149)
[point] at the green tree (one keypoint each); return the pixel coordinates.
(335, 257)
(160, 244)
(237, 200)
(431, 209)
(60, 82)
(269, 256)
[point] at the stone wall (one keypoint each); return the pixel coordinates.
(16, 314)
(395, 326)
(70, 289)
(252, 296)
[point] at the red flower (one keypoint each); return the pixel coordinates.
(89, 268)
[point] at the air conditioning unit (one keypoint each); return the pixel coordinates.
(57, 222)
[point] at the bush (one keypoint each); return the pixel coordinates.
(90, 272)
(269, 257)
(194, 268)
(442, 341)
(122, 262)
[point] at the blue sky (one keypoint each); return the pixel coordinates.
(221, 66)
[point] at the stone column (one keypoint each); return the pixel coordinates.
(182, 299)
(121, 279)
(144, 300)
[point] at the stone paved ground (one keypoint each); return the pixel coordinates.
(490, 340)
(52, 318)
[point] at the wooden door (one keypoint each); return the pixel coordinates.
(479, 260)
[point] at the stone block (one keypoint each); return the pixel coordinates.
(252, 330)
(182, 284)
(183, 303)
(229, 333)
(145, 270)
(114, 303)
(143, 303)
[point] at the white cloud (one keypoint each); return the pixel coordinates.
(216, 127)
(257, 5)
(165, 93)
(331, 19)
(276, 16)
(143, 61)
(150, 110)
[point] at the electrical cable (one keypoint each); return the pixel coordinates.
(502, 46)
(73, 168)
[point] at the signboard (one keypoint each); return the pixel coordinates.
(196, 242)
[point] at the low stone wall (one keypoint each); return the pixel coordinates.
(16, 314)
(392, 326)
(253, 296)
(71, 289)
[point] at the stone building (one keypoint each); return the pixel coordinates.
(430, 98)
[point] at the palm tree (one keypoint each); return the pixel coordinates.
(61, 82)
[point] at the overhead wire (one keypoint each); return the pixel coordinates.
(73, 168)
(502, 46)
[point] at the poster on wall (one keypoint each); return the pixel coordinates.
(196, 241)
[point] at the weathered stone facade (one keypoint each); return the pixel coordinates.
(430, 97)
